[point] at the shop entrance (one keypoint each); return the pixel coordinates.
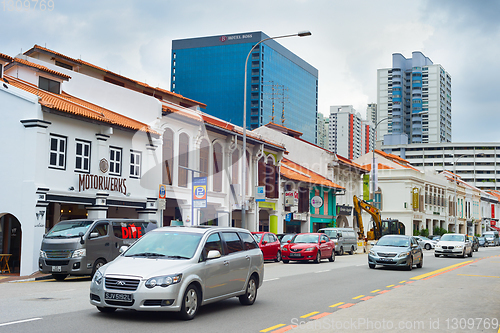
(10, 240)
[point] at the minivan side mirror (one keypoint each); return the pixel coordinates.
(123, 248)
(81, 238)
(94, 234)
(212, 254)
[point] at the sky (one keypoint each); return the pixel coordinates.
(350, 40)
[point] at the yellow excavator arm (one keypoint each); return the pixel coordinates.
(376, 231)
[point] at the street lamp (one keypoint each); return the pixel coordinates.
(455, 161)
(374, 167)
(243, 198)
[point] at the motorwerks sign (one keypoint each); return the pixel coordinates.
(102, 183)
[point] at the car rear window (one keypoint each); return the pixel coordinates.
(232, 241)
(248, 241)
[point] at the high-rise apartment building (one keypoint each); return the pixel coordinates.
(281, 87)
(371, 113)
(415, 94)
(322, 135)
(367, 136)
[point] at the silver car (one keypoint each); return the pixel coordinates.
(425, 242)
(180, 269)
(454, 245)
(396, 251)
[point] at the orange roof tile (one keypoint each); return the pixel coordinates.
(294, 132)
(39, 67)
(82, 62)
(347, 161)
(368, 167)
(6, 57)
(391, 156)
(494, 193)
(71, 104)
(294, 171)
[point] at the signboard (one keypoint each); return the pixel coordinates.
(162, 204)
(366, 187)
(415, 199)
(316, 201)
(162, 191)
(199, 192)
(492, 211)
(260, 193)
(291, 198)
(344, 210)
(288, 217)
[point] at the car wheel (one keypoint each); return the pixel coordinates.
(371, 265)
(341, 251)
(106, 309)
(59, 277)
(421, 263)
(464, 254)
(98, 264)
(248, 298)
(190, 303)
(351, 251)
(332, 257)
(427, 246)
(410, 265)
(278, 257)
(285, 261)
(318, 257)
(471, 253)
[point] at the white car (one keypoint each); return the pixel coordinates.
(425, 242)
(457, 245)
(180, 269)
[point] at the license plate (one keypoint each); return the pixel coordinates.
(118, 297)
(295, 255)
(446, 250)
(386, 259)
(56, 268)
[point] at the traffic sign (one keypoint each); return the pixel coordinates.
(162, 191)
(200, 192)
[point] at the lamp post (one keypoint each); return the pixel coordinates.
(374, 167)
(243, 197)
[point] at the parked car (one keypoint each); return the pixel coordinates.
(345, 239)
(180, 269)
(453, 245)
(475, 243)
(425, 242)
(284, 238)
(492, 237)
(482, 241)
(309, 246)
(269, 244)
(396, 251)
(434, 237)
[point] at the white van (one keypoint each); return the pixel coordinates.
(345, 239)
(80, 247)
(492, 238)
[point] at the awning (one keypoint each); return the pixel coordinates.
(495, 228)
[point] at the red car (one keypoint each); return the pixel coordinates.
(269, 244)
(314, 246)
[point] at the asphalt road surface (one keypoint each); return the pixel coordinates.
(292, 295)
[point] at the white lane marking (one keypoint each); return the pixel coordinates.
(271, 279)
(20, 321)
(322, 271)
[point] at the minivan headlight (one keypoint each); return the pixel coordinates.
(163, 281)
(79, 253)
(43, 254)
(97, 279)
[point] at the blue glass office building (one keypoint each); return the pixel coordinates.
(211, 70)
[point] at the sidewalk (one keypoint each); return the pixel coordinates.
(13, 277)
(463, 299)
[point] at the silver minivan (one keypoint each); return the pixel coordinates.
(346, 239)
(80, 247)
(180, 269)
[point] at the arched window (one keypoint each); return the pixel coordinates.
(183, 159)
(217, 171)
(168, 156)
(204, 157)
(234, 166)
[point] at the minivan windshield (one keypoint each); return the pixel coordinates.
(165, 245)
(69, 229)
(330, 233)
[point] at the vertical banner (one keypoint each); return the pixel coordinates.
(415, 198)
(374, 176)
(199, 192)
(366, 187)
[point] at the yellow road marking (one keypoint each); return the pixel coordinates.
(391, 285)
(273, 327)
(309, 314)
(402, 281)
(336, 304)
(440, 270)
(376, 290)
(358, 296)
(498, 277)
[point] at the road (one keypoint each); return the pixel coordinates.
(293, 293)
